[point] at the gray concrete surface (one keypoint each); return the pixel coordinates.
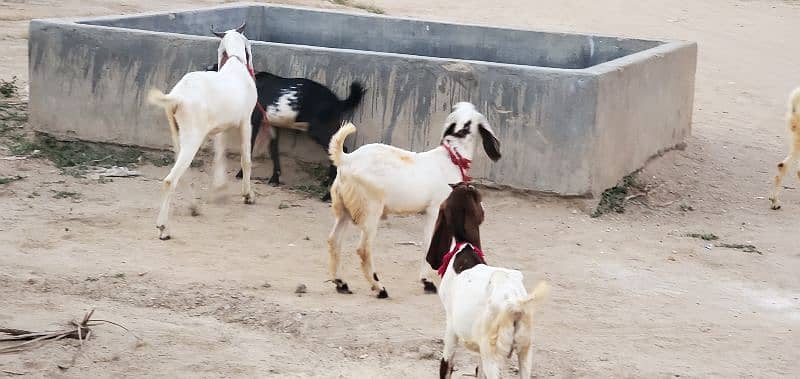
(574, 113)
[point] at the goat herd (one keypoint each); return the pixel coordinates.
(487, 308)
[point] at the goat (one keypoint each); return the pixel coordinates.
(487, 308)
(377, 179)
(300, 104)
(209, 103)
(793, 119)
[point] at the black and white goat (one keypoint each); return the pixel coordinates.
(300, 104)
(209, 103)
(378, 179)
(487, 308)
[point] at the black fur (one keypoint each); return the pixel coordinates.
(315, 105)
(341, 287)
(428, 286)
(490, 143)
(444, 369)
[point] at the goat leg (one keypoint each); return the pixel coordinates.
(274, 154)
(255, 137)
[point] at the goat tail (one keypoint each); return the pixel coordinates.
(539, 293)
(156, 97)
(354, 99)
(504, 328)
(336, 146)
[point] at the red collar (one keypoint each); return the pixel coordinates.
(449, 256)
(458, 160)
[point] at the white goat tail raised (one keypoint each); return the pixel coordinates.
(377, 180)
(336, 147)
(510, 320)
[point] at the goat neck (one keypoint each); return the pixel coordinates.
(458, 248)
(459, 161)
(225, 59)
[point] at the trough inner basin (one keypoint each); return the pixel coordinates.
(391, 35)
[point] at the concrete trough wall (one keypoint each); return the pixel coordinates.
(574, 113)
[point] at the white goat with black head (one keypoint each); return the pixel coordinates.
(378, 179)
(487, 307)
(209, 103)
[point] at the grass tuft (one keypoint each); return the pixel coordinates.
(613, 199)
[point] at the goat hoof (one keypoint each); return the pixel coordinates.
(195, 211)
(776, 207)
(341, 287)
(249, 199)
(383, 294)
(429, 287)
(327, 197)
(162, 233)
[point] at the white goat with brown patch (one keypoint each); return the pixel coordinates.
(377, 179)
(208, 103)
(793, 120)
(487, 307)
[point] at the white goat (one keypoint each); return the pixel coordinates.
(490, 312)
(793, 120)
(378, 179)
(208, 103)
(487, 307)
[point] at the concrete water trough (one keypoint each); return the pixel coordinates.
(574, 113)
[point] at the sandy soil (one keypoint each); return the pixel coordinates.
(632, 296)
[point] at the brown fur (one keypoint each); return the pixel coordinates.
(459, 217)
(466, 260)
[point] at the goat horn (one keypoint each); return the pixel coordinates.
(240, 29)
(216, 33)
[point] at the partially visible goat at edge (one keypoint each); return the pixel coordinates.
(793, 121)
(209, 103)
(487, 308)
(377, 179)
(299, 104)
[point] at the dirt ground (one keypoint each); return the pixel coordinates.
(632, 296)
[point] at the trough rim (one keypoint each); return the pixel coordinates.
(665, 46)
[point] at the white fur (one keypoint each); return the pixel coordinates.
(793, 121)
(379, 179)
(209, 103)
(281, 113)
(490, 312)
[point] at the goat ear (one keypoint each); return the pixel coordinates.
(472, 223)
(440, 242)
(449, 130)
(240, 29)
(490, 143)
(453, 185)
